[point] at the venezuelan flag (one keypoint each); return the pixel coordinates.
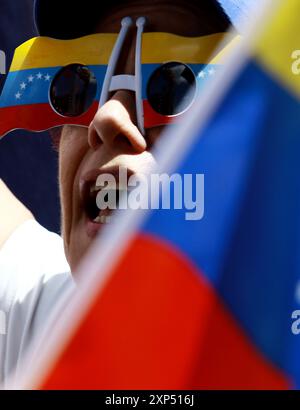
(25, 103)
(205, 304)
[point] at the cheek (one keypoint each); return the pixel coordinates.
(72, 148)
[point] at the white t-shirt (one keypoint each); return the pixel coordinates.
(34, 274)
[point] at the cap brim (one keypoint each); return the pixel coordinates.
(67, 19)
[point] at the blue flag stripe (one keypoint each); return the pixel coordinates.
(247, 243)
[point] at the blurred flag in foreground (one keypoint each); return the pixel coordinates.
(209, 303)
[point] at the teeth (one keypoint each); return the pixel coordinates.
(94, 188)
(102, 219)
(111, 187)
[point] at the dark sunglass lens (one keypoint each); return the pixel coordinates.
(171, 88)
(73, 90)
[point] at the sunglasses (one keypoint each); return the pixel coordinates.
(56, 82)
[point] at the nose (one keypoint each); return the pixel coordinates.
(117, 116)
(115, 121)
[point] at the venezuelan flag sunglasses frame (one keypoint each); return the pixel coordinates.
(34, 96)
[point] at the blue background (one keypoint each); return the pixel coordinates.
(28, 164)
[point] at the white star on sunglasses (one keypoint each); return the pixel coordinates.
(202, 74)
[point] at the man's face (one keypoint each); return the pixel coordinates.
(113, 139)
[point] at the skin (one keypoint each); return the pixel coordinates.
(112, 138)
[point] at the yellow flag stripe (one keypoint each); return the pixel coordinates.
(162, 47)
(278, 49)
(96, 49)
(42, 52)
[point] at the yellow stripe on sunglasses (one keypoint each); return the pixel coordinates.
(96, 49)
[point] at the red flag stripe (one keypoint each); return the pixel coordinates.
(149, 339)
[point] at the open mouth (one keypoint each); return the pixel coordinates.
(99, 201)
(96, 214)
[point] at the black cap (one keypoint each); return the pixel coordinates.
(66, 19)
